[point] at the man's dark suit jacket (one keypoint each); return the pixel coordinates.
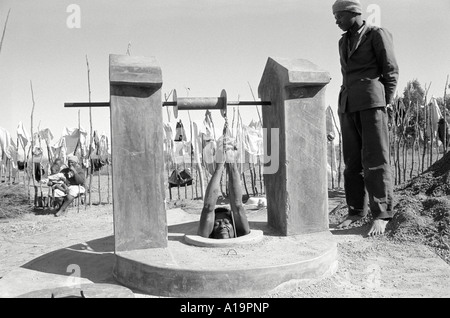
(370, 70)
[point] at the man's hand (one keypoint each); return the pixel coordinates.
(72, 167)
(390, 111)
(226, 150)
(230, 150)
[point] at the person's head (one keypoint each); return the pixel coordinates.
(347, 13)
(223, 224)
(59, 162)
(72, 160)
(55, 168)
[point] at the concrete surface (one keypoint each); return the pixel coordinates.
(253, 237)
(137, 136)
(95, 257)
(295, 177)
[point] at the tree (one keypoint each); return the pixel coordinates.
(413, 98)
(440, 101)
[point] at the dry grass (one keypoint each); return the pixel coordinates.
(14, 201)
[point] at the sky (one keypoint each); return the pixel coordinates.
(202, 47)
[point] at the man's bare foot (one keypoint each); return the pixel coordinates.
(60, 213)
(378, 227)
(349, 220)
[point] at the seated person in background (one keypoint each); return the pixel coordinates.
(56, 179)
(74, 174)
(221, 223)
(60, 163)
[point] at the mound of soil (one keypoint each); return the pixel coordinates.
(423, 219)
(422, 210)
(435, 181)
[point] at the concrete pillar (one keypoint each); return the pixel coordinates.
(137, 153)
(297, 194)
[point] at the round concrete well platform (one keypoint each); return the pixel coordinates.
(253, 237)
(240, 270)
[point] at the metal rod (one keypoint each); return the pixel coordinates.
(87, 104)
(196, 103)
(230, 103)
(250, 103)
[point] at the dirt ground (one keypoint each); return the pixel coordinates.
(405, 262)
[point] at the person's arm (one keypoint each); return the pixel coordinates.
(78, 175)
(59, 187)
(240, 218)
(207, 217)
(384, 50)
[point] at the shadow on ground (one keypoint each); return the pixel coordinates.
(43, 211)
(93, 260)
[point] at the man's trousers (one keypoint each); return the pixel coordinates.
(367, 174)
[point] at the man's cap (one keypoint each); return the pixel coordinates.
(347, 5)
(72, 158)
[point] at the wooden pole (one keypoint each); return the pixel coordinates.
(167, 108)
(97, 147)
(261, 181)
(430, 122)
(425, 127)
(445, 117)
(79, 143)
(258, 161)
(25, 173)
(413, 147)
(418, 137)
(204, 163)
(32, 146)
(90, 139)
(99, 184)
(4, 30)
(41, 203)
(18, 170)
(257, 109)
(107, 169)
(26, 167)
(1, 166)
(397, 140)
(1, 43)
(199, 171)
(192, 154)
(9, 167)
(340, 149)
(168, 147)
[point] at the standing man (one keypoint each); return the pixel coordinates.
(370, 74)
